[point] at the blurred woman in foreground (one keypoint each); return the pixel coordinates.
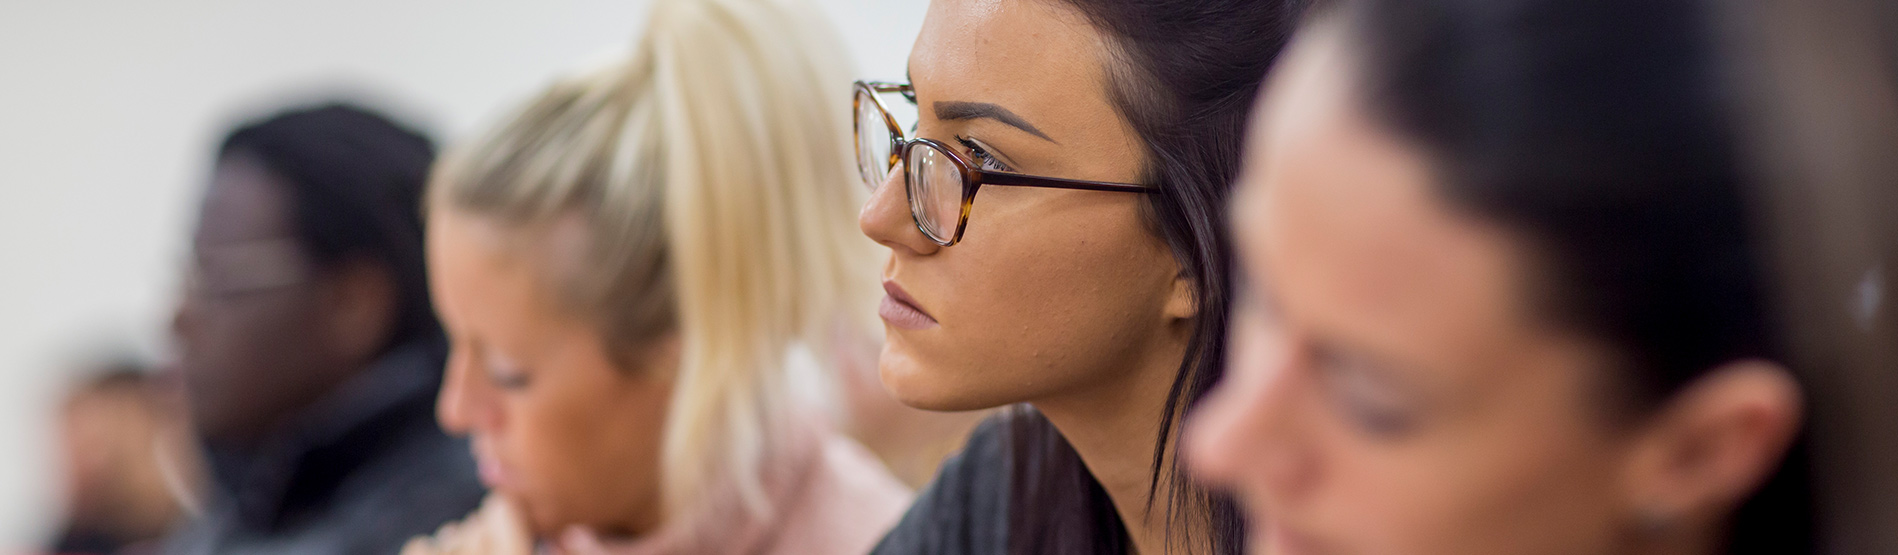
(1509, 292)
(626, 267)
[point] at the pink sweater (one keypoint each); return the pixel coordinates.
(832, 497)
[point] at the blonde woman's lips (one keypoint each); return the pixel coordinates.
(1283, 541)
(900, 310)
(493, 474)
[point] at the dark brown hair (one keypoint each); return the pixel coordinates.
(1183, 73)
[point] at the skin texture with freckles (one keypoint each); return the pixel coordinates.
(561, 431)
(1392, 387)
(1064, 299)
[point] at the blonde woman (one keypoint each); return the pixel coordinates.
(626, 268)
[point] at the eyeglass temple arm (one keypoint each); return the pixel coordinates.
(1019, 180)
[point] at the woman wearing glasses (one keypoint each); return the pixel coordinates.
(1055, 226)
(626, 269)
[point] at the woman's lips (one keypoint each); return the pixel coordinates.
(1283, 541)
(493, 473)
(901, 310)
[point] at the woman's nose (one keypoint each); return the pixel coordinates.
(1249, 431)
(455, 404)
(886, 217)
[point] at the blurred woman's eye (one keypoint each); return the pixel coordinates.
(507, 379)
(1368, 401)
(505, 374)
(982, 156)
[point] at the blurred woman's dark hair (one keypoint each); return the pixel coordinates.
(356, 180)
(1613, 136)
(1183, 73)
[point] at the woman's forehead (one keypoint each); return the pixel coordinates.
(1004, 54)
(1342, 224)
(245, 201)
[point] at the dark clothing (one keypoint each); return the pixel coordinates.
(85, 542)
(965, 509)
(362, 471)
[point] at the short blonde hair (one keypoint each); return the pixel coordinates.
(712, 171)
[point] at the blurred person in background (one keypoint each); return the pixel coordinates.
(1055, 220)
(1512, 290)
(628, 267)
(131, 473)
(309, 349)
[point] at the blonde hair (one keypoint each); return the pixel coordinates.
(711, 170)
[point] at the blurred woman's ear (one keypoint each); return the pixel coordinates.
(1714, 444)
(362, 308)
(660, 357)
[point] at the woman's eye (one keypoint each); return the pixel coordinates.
(511, 379)
(1381, 421)
(502, 371)
(1367, 402)
(982, 156)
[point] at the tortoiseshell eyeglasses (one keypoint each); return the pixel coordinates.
(941, 183)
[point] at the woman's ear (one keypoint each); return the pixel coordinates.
(1183, 302)
(1714, 443)
(362, 308)
(660, 357)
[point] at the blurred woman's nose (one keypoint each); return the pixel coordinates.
(886, 217)
(1250, 433)
(457, 403)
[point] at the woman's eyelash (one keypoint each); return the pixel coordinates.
(982, 155)
(1367, 406)
(509, 381)
(508, 378)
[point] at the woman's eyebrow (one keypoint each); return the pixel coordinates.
(957, 110)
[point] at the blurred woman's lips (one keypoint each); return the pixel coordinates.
(493, 473)
(1283, 541)
(900, 310)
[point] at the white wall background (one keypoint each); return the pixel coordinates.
(109, 110)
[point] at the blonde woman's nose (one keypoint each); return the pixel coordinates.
(452, 404)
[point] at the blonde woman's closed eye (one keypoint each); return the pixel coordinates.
(504, 372)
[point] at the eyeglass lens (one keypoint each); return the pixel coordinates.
(874, 141)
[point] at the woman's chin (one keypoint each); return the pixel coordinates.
(941, 403)
(933, 389)
(534, 515)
